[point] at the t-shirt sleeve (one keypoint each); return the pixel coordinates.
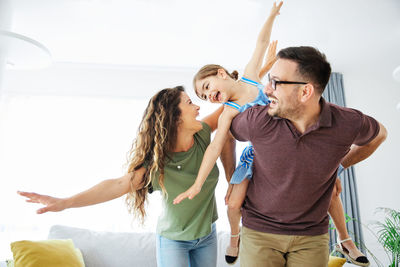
(240, 127)
(369, 129)
(154, 182)
(204, 135)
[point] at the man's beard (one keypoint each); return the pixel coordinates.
(292, 110)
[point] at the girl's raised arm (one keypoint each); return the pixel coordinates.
(253, 67)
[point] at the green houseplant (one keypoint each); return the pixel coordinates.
(389, 234)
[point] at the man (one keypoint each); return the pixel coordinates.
(299, 141)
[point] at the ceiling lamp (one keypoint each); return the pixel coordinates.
(21, 52)
(18, 51)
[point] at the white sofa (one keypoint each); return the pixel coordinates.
(109, 249)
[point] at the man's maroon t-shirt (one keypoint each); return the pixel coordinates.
(294, 173)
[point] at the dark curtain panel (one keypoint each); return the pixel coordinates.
(334, 93)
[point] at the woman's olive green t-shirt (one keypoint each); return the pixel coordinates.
(190, 219)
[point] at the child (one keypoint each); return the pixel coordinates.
(216, 84)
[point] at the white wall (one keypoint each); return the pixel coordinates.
(371, 89)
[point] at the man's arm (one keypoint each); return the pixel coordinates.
(359, 153)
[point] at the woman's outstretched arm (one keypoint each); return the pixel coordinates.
(102, 192)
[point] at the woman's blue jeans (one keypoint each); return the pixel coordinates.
(194, 253)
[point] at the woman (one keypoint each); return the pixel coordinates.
(165, 156)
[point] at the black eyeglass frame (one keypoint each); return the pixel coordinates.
(275, 82)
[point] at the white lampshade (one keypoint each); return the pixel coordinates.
(398, 106)
(22, 52)
(396, 74)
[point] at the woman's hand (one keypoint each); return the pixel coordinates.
(271, 54)
(190, 194)
(269, 60)
(51, 203)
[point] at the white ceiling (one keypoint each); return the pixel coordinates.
(188, 33)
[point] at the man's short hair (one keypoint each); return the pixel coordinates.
(312, 65)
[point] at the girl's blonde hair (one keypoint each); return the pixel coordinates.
(156, 138)
(211, 70)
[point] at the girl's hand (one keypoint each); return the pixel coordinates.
(276, 8)
(253, 68)
(190, 194)
(52, 203)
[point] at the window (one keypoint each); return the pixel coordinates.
(60, 146)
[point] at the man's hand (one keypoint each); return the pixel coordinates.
(228, 193)
(338, 187)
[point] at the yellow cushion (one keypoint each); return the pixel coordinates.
(46, 253)
(336, 261)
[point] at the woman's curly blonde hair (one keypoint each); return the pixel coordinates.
(156, 138)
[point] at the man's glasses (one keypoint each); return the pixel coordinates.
(275, 82)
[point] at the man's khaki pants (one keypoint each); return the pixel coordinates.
(258, 249)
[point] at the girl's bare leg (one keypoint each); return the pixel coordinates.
(337, 214)
(235, 202)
